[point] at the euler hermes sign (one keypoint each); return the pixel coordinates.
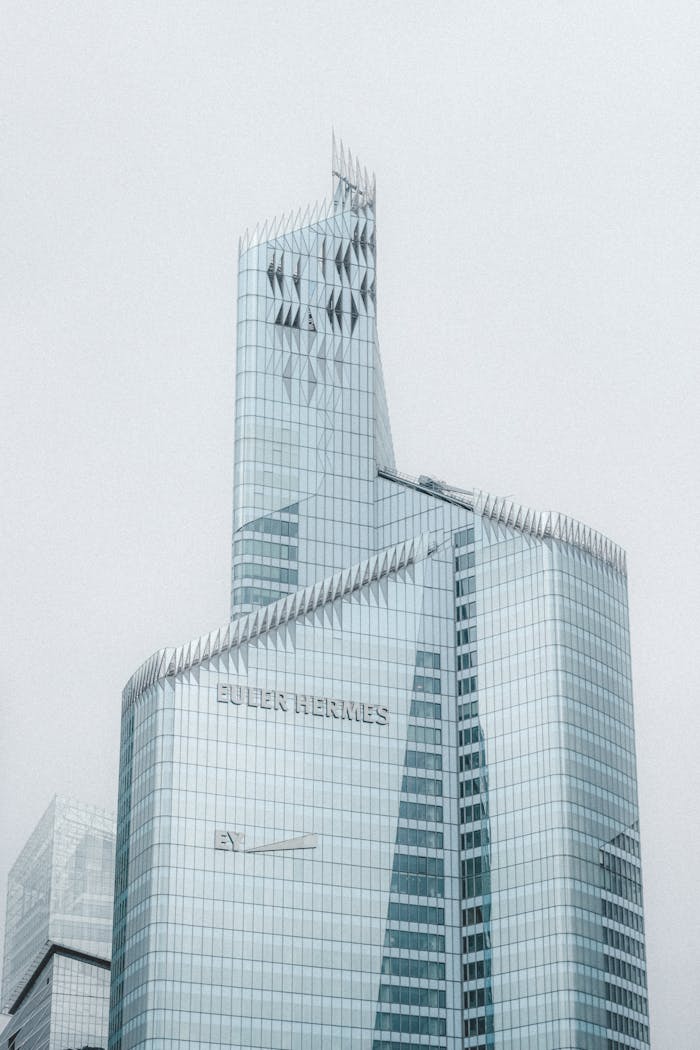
(301, 704)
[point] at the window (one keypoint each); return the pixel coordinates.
(467, 685)
(412, 1024)
(469, 814)
(475, 942)
(264, 549)
(416, 968)
(417, 913)
(389, 1044)
(255, 596)
(464, 537)
(426, 684)
(475, 997)
(424, 709)
(424, 734)
(626, 970)
(274, 526)
(471, 839)
(464, 561)
(410, 995)
(428, 659)
(615, 993)
(420, 811)
(471, 735)
(417, 885)
(423, 760)
(473, 916)
(417, 864)
(412, 940)
(472, 760)
(256, 571)
(467, 788)
(421, 786)
(470, 710)
(419, 837)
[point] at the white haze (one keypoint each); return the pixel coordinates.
(539, 246)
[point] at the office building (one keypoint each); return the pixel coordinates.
(392, 802)
(58, 933)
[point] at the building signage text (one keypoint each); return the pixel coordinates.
(302, 704)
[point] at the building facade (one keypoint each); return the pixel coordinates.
(393, 801)
(58, 935)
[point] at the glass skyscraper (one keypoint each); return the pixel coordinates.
(58, 935)
(392, 802)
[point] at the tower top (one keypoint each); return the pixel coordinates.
(352, 177)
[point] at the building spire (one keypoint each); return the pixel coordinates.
(352, 177)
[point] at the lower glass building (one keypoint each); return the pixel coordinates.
(392, 802)
(58, 933)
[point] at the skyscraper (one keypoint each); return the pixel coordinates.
(58, 934)
(393, 801)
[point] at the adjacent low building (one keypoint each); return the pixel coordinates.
(58, 933)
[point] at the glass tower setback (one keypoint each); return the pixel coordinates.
(393, 801)
(58, 935)
(311, 422)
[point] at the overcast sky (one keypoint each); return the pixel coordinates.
(539, 313)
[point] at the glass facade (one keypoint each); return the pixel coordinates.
(393, 801)
(58, 935)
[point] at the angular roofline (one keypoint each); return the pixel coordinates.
(354, 189)
(41, 958)
(170, 661)
(349, 170)
(543, 525)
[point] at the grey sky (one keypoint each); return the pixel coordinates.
(539, 247)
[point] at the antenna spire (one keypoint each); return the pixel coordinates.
(348, 170)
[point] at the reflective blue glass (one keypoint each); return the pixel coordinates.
(393, 801)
